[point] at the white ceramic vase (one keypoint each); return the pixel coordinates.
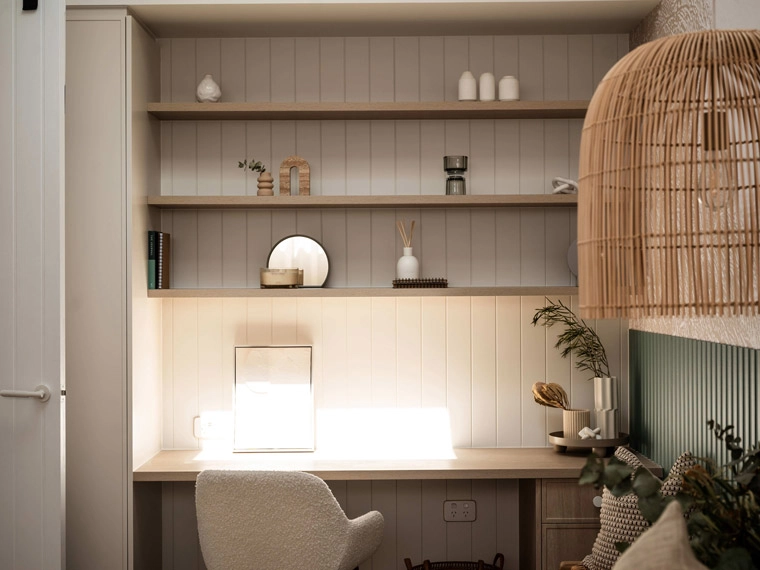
(607, 406)
(509, 88)
(468, 90)
(487, 87)
(208, 91)
(407, 267)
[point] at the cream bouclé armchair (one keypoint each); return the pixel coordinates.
(279, 520)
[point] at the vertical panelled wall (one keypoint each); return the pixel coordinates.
(678, 384)
(481, 247)
(475, 356)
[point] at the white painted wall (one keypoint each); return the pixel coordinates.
(736, 14)
(144, 171)
(478, 356)
(504, 246)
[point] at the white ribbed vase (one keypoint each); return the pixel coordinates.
(607, 406)
(407, 267)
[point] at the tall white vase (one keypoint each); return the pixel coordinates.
(487, 87)
(607, 406)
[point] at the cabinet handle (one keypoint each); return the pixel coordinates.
(40, 392)
(597, 501)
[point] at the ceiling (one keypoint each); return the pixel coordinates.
(262, 18)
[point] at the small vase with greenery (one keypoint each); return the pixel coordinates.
(580, 340)
(722, 502)
(265, 180)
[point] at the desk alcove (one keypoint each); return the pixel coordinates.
(535, 493)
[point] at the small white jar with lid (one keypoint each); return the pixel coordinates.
(509, 88)
(468, 90)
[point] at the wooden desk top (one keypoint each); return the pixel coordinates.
(490, 463)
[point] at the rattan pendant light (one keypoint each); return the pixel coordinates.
(668, 216)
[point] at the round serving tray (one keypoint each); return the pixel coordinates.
(601, 447)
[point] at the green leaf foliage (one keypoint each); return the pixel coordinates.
(721, 501)
(577, 338)
(645, 484)
(253, 165)
(735, 559)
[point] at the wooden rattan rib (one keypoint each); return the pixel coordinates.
(668, 216)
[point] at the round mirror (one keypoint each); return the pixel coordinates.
(301, 252)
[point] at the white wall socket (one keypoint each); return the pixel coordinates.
(460, 511)
(212, 426)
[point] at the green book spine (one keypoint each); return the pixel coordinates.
(152, 257)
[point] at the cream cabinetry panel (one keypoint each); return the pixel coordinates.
(97, 346)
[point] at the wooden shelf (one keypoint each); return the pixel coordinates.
(368, 111)
(419, 201)
(307, 292)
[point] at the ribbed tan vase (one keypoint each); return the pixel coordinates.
(574, 421)
(265, 184)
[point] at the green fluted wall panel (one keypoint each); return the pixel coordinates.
(678, 384)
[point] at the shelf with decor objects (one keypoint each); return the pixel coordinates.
(379, 201)
(369, 111)
(306, 292)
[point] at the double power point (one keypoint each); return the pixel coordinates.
(460, 511)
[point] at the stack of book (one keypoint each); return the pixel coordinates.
(158, 260)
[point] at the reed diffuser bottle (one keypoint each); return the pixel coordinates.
(407, 267)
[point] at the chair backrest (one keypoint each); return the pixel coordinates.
(255, 520)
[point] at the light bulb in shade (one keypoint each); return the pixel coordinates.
(717, 180)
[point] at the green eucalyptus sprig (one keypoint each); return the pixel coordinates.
(253, 165)
(578, 338)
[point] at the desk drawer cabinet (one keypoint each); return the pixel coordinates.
(564, 501)
(569, 520)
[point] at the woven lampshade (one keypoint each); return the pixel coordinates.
(669, 174)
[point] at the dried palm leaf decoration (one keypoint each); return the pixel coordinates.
(669, 174)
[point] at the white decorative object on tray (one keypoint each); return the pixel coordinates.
(208, 91)
(607, 406)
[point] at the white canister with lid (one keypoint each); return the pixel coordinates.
(487, 87)
(467, 87)
(509, 88)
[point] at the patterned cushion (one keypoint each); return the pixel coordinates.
(620, 518)
(665, 546)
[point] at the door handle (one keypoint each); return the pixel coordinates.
(41, 393)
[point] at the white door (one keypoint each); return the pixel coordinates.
(31, 285)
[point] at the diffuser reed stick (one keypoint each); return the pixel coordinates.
(406, 238)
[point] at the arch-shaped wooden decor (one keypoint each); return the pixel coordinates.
(303, 176)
